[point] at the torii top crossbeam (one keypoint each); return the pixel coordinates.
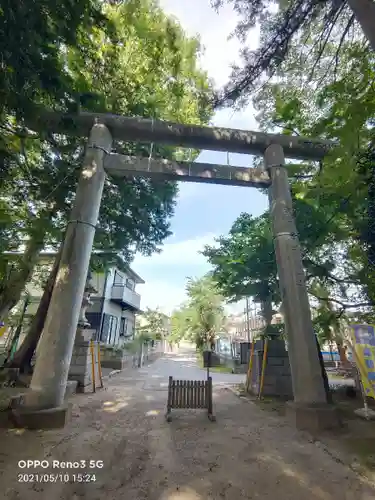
(189, 136)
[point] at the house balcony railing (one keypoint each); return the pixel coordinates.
(123, 295)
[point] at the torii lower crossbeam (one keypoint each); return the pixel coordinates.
(122, 166)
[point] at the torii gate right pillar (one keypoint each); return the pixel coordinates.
(310, 408)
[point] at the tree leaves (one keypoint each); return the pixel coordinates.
(286, 24)
(202, 316)
(332, 200)
(152, 324)
(94, 56)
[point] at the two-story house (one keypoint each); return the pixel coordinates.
(114, 304)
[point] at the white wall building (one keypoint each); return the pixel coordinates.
(114, 305)
(237, 324)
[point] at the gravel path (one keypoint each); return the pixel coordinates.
(246, 454)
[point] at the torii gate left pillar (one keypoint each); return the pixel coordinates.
(48, 384)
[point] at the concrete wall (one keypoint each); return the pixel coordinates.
(118, 359)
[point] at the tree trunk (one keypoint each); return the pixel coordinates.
(324, 373)
(342, 354)
(267, 311)
(369, 232)
(12, 289)
(364, 12)
(331, 352)
(22, 358)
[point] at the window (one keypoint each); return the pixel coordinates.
(118, 280)
(123, 327)
(104, 328)
(130, 284)
(112, 327)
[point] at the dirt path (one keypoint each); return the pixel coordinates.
(246, 454)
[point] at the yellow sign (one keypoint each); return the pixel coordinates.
(3, 329)
(364, 345)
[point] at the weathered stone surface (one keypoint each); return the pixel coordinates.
(78, 370)
(278, 361)
(81, 379)
(277, 377)
(275, 347)
(116, 364)
(71, 388)
(314, 418)
(81, 364)
(81, 360)
(52, 418)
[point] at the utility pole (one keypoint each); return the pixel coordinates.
(253, 320)
(308, 384)
(48, 384)
(247, 310)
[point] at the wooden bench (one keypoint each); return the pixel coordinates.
(190, 394)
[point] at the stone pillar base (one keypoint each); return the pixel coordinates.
(277, 377)
(314, 418)
(81, 362)
(51, 418)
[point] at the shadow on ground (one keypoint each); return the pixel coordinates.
(247, 454)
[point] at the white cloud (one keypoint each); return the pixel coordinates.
(183, 252)
(165, 273)
(161, 295)
(198, 17)
(168, 292)
(167, 297)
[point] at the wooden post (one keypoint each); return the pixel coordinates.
(264, 365)
(100, 368)
(210, 402)
(93, 366)
(249, 371)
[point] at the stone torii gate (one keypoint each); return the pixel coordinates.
(50, 376)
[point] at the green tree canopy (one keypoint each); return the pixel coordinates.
(204, 310)
(33, 38)
(127, 58)
(147, 67)
(153, 324)
(333, 199)
(181, 324)
(293, 23)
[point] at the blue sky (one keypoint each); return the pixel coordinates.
(203, 211)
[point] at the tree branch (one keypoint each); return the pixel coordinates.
(324, 37)
(275, 48)
(328, 274)
(342, 304)
(337, 53)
